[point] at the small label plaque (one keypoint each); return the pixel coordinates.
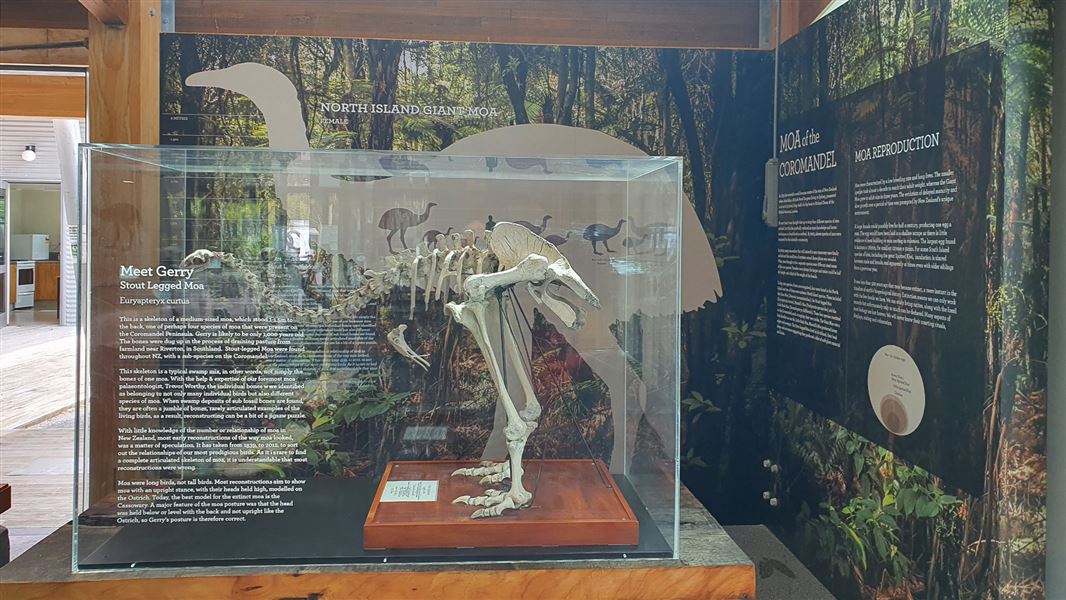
(425, 433)
(410, 491)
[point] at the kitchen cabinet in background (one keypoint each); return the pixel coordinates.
(46, 281)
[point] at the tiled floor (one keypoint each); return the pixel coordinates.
(44, 312)
(39, 465)
(36, 372)
(36, 425)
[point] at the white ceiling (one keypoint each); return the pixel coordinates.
(15, 135)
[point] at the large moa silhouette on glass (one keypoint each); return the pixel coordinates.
(464, 208)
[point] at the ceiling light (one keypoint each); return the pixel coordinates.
(29, 153)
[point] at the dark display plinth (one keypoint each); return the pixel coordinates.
(325, 526)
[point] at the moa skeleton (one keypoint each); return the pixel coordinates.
(481, 278)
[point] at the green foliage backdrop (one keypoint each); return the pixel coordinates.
(866, 523)
(880, 528)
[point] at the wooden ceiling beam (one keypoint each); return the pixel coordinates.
(42, 96)
(658, 23)
(113, 13)
(43, 14)
(37, 46)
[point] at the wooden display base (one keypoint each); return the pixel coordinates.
(710, 567)
(575, 503)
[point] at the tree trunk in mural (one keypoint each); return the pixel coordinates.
(737, 150)
(334, 60)
(384, 67)
(590, 88)
(298, 76)
(824, 88)
(910, 49)
(514, 70)
(666, 120)
(563, 85)
(569, 81)
(547, 109)
(353, 66)
(1037, 281)
(939, 11)
(670, 60)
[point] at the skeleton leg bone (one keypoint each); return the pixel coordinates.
(465, 314)
(480, 291)
(531, 409)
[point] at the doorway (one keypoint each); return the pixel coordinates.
(37, 412)
(34, 236)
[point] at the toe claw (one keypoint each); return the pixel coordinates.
(501, 469)
(495, 507)
(495, 477)
(461, 500)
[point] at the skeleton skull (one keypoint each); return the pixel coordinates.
(559, 276)
(514, 243)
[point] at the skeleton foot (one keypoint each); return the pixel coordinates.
(491, 497)
(513, 500)
(496, 477)
(486, 470)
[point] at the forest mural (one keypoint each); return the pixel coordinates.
(708, 106)
(868, 524)
(879, 527)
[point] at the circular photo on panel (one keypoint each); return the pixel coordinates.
(896, 390)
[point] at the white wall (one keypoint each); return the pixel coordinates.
(36, 210)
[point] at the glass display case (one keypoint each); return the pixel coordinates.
(310, 357)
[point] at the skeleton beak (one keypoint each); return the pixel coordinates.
(571, 316)
(567, 276)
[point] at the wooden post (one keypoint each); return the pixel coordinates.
(124, 77)
(123, 108)
(109, 12)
